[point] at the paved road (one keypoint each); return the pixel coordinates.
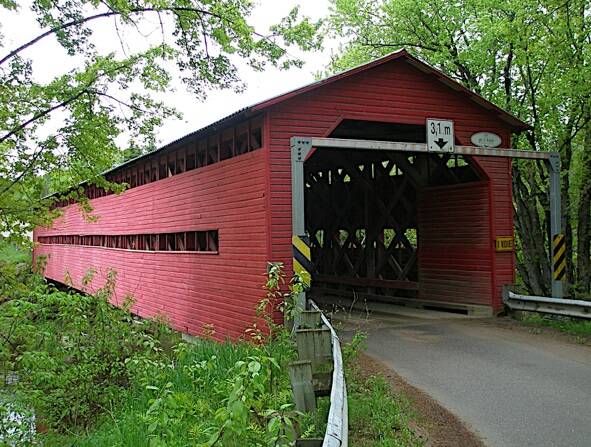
(511, 387)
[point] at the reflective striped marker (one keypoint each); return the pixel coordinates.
(302, 258)
(559, 256)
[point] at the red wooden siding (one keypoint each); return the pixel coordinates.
(501, 205)
(393, 92)
(454, 245)
(192, 289)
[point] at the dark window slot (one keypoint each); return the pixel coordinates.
(190, 161)
(256, 138)
(226, 143)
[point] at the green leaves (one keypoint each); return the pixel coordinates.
(70, 352)
(56, 134)
(8, 4)
(96, 376)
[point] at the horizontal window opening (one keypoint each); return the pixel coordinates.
(181, 241)
(235, 140)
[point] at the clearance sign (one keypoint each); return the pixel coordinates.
(504, 243)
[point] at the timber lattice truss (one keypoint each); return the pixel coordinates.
(361, 214)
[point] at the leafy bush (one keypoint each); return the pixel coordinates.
(70, 351)
(15, 270)
(17, 423)
(96, 376)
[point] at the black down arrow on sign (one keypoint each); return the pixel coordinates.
(441, 143)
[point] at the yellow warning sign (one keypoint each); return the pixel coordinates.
(302, 258)
(504, 243)
(559, 257)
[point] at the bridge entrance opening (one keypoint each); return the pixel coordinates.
(363, 211)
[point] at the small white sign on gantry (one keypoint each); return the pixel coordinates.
(440, 135)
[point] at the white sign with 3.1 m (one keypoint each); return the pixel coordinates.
(440, 135)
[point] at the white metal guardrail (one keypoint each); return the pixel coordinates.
(555, 306)
(337, 427)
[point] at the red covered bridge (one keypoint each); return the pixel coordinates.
(192, 235)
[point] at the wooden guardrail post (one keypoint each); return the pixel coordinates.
(300, 374)
(310, 319)
(314, 345)
(317, 345)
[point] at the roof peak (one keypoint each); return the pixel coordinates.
(515, 123)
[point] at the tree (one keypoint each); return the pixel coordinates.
(56, 134)
(531, 57)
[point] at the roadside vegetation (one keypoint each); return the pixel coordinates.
(83, 372)
(95, 375)
(378, 416)
(579, 329)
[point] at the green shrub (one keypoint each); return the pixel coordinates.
(207, 394)
(96, 376)
(70, 351)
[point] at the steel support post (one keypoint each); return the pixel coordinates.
(555, 225)
(300, 149)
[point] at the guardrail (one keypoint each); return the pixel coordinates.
(337, 426)
(554, 306)
(318, 345)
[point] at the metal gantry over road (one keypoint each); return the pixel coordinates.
(303, 147)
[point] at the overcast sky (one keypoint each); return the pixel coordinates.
(50, 60)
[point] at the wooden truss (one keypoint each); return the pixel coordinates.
(361, 214)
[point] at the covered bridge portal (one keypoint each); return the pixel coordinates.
(395, 222)
(192, 235)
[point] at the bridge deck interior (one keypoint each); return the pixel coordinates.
(361, 211)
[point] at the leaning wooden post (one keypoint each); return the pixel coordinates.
(300, 374)
(314, 345)
(310, 319)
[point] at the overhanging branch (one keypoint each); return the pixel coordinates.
(112, 13)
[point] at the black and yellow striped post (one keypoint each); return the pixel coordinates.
(558, 257)
(302, 259)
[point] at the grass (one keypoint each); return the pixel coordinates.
(186, 404)
(377, 416)
(580, 329)
(94, 376)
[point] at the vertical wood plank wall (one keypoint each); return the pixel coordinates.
(393, 92)
(454, 249)
(191, 289)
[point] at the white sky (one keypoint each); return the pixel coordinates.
(51, 60)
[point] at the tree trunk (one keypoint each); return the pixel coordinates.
(534, 268)
(584, 218)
